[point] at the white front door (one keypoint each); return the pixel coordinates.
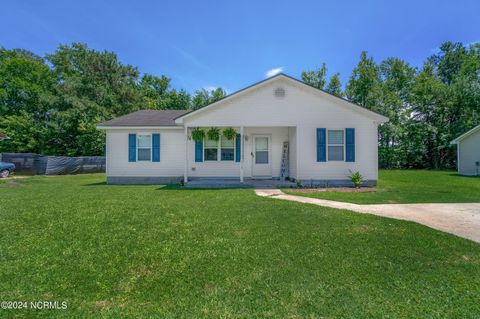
(261, 160)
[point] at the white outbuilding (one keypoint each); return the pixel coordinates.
(468, 152)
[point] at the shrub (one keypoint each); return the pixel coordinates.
(213, 133)
(229, 133)
(198, 134)
(356, 178)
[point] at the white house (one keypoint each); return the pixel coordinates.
(328, 138)
(468, 152)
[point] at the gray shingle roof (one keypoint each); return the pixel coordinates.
(147, 118)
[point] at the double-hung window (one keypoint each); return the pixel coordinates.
(144, 147)
(223, 150)
(227, 149)
(336, 145)
(211, 150)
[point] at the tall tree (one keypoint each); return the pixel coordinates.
(158, 95)
(363, 86)
(396, 79)
(205, 97)
(316, 78)
(335, 85)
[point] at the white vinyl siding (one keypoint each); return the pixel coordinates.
(172, 150)
(469, 154)
(304, 109)
(293, 118)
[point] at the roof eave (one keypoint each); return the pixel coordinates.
(465, 135)
(376, 116)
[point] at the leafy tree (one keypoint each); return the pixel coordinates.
(363, 86)
(26, 84)
(335, 85)
(315, 78)
(158, 95)
(25, 135)
(205, 97)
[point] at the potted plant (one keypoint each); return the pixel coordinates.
(198, 134)
(213, 133)
(229, 133)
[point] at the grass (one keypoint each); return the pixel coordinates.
(161, 252)
(411, 186)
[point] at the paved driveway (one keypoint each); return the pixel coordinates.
(459, 219)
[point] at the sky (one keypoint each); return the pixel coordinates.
(232, 44)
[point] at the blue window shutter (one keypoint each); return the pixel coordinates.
(238, 146)
(198, 151)
(350, 144)
(132, 147)
(156, 147)
(321, 145)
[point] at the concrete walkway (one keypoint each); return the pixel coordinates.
(459, 219)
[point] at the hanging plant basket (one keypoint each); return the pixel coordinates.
(198, 134)
(229, 133)
(213, 133)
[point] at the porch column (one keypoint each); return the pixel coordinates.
(185, 169)
(242, 153)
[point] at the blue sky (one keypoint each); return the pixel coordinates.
(235, 43)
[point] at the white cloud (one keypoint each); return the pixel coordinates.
(273, 72)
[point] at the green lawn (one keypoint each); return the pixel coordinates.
(150, 251)
(411, 186)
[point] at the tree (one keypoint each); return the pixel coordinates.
(335, 86)
(363, 86)
(26, 84)
(158, 95)
(205, 97)
(315, 78)
(25, 135)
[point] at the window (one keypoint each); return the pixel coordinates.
(227, 149)
(223, 150)
(144, 148)
(335, 145)
(211, 150)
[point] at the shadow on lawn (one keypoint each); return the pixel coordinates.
(167, 187)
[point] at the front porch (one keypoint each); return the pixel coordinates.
(260, 156)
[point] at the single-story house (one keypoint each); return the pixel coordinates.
(284, 128)
(468, 152)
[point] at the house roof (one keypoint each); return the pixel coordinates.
(145, 118)
(358, 107)
(463, 136)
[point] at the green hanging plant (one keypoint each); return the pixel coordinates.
(198, 134)
(229, 133)
(213, 133)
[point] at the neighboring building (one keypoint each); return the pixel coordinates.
(3, 136)
(328, 138)
(468, 152)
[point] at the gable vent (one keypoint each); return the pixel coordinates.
(279, 93)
